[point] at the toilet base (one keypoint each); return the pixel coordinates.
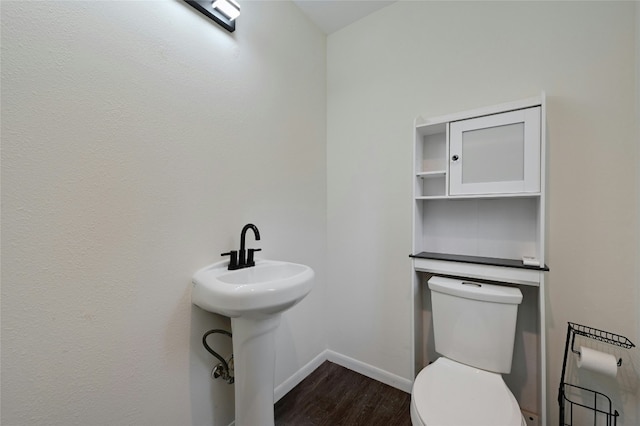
(415, 418)
(448, 393)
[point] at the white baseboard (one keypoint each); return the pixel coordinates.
(370, 371)
(284, 388)
(365, 369)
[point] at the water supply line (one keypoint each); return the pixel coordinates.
(225, 368)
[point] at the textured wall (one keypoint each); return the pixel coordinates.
(434, 58)
(137, 139)
(637, 51)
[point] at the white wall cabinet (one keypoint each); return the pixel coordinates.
(478, 183)
(495, 154)
(492, 154)
(479, 210)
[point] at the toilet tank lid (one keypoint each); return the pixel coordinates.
(476, 291)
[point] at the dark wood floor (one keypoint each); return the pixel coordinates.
(333, 395)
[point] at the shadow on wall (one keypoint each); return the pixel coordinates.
(523, 380)
(212, 401)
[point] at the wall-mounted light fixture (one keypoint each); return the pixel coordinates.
(224, 12)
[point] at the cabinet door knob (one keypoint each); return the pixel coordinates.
(455, 158)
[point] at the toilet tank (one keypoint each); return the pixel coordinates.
(475, 323)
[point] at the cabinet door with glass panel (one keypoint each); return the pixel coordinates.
(495, 154)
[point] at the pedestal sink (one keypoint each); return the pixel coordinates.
(254, 298)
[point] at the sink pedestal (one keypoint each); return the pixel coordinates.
(254, 298)
(254, 357)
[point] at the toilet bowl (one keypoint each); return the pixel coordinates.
(448, 393)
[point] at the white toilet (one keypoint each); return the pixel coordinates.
(474, 326)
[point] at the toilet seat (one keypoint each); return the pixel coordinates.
(447, 393)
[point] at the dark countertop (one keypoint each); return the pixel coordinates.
(491, 261)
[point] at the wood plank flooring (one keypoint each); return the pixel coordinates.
(335, 396)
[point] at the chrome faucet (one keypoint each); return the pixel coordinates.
(245, 260)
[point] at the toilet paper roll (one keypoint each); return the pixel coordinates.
(597, 361)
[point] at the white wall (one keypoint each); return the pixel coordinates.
(434, 58)
(137, 139)
(637, 113)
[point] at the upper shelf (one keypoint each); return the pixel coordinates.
(432, 174)
(475, 196)
(475, 267)
(492, 261)
(431, 128)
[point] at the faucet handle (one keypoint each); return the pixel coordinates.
(250, 261)
(233, 258)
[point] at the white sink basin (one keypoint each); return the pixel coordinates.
(267, 288)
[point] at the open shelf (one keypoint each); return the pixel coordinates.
(432, 197)
(601, 335)
(479, 196)
(478, 260)
(434, 174)
(496, 227)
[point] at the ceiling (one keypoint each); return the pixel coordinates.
(332, 15)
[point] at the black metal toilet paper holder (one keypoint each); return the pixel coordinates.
(568, 405)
